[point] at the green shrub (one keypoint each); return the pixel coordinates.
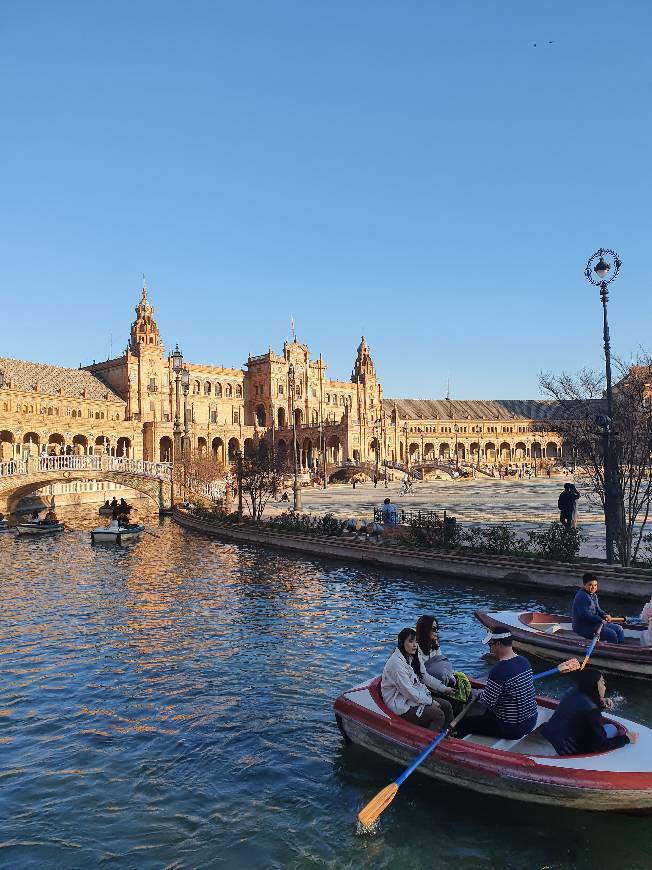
(556, 543)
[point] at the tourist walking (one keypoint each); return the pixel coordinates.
(566, 505)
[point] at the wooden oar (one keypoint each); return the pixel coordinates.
(592, 646)
(147, 532)
(566, 667)
(369, 813)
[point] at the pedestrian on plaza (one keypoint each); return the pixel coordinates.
(566, 504)
(353, 482)
(375, 481)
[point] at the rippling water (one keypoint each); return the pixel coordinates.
(169, 704)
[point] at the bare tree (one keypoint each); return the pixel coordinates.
(580, 404)
(261, 477)
(196, 471)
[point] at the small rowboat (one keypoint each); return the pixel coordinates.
(41, 527)
(114, 533)
(4, 525)
(527, 769)
(551, 636)
(105, 511)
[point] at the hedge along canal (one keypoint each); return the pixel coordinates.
(633, 584)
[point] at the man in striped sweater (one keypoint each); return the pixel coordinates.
(507, 705)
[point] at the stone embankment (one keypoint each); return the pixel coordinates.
(624, 583)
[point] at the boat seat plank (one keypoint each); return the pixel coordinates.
(521, 744)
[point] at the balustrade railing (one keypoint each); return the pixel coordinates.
(143, 467)
(69, 463)
(12, 467)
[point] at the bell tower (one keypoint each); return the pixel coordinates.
(363, 370)
(144, 331)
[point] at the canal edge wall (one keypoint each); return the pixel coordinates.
(617, 582)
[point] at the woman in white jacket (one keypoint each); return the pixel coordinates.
(403, 691)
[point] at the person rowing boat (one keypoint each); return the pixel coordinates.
(506, 707)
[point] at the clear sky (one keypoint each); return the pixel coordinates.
(418, 172)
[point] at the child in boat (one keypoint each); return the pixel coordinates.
(403, 691)
(510, 709)
(438, 672)
(646, 619)
(576, 727)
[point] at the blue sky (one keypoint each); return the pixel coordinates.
(418, 172)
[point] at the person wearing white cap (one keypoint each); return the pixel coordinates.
(509, 708)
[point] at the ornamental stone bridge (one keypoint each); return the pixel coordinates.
(19, 477)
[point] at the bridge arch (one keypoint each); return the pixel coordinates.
(25, 476)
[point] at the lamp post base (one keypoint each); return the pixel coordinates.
(297, 496)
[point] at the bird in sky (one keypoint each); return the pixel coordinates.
(550, 42)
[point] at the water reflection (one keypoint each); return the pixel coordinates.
(168, 703)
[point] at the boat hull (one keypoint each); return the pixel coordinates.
(107, 536)
(39, 529)
(621, 659)
(550, 780)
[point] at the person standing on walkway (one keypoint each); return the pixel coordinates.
(566, 504)
(588, 615)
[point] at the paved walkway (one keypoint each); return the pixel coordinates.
(525, 503)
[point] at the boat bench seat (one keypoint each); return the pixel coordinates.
(506, 745)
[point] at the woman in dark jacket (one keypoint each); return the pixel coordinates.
(576, 727)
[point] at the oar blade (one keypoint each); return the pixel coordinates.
(369, 813)
(568, 666)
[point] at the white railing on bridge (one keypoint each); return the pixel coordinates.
(13, 466)
(141, 467)
(69, 463)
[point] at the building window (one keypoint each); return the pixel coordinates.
(280, 389)
(218, 389)
(196, 388)
(207, 388)
(228, 391)
(238, 391)
(152, 384)
(313, 393)
(213, 416)
(236, 416)
(328, 398)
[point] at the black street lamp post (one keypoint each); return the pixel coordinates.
(177, 366)
(238, 458)
(596, 273)
(292, 374)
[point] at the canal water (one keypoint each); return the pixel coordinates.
(169, 704)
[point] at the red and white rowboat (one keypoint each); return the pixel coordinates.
(551, 636)
(526, 769)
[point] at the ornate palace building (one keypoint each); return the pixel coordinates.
(128, 406)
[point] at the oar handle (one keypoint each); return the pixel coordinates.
(426, 752)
